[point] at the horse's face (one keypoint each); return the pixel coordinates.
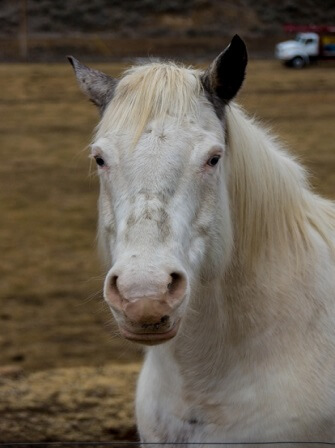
(161, 206)
(163, 218)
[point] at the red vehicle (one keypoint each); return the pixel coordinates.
(311, 43)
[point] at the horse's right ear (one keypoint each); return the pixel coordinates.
(225, 75)
(98, 86)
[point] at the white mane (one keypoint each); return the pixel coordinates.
(272, 202)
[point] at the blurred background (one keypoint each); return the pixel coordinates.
(40, 30)
(64, 372)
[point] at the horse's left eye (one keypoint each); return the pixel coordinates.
(100, 161)
(213, 160)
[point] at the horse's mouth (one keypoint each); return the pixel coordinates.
(150, 338)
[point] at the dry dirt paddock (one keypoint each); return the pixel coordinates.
(64, 373)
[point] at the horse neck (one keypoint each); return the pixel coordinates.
(228, 324)
(214, 336)
(200, 341)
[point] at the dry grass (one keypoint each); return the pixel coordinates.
(48, 265)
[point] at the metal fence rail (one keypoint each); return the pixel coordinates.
(125, 443)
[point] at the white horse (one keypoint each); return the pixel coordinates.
(216, 246)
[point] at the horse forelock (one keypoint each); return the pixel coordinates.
(152, 91)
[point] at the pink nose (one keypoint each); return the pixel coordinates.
(145, 301)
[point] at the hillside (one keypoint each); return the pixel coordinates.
(170, 27)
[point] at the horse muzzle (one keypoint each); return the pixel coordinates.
(153, 317)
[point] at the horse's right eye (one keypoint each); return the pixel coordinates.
(213, 160)
(100, 161)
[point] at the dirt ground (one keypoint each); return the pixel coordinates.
(56, 335)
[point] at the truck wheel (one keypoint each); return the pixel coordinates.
(298, 62)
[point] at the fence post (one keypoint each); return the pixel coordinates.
(23, 31)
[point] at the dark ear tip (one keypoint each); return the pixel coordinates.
(238, 45)
(74, 62)
(236, 40)
(71, 60)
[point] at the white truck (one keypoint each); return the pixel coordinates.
(311, 43)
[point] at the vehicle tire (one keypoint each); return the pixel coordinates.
(298, 62)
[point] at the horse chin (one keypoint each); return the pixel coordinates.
(149, 338)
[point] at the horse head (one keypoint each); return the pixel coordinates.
(164, 220)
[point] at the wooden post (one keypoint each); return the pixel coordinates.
(23, 31)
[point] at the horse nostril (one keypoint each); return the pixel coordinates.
(113, 284)
(177, 281)
(165, 319)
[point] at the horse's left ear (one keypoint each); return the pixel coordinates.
(225, 75)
